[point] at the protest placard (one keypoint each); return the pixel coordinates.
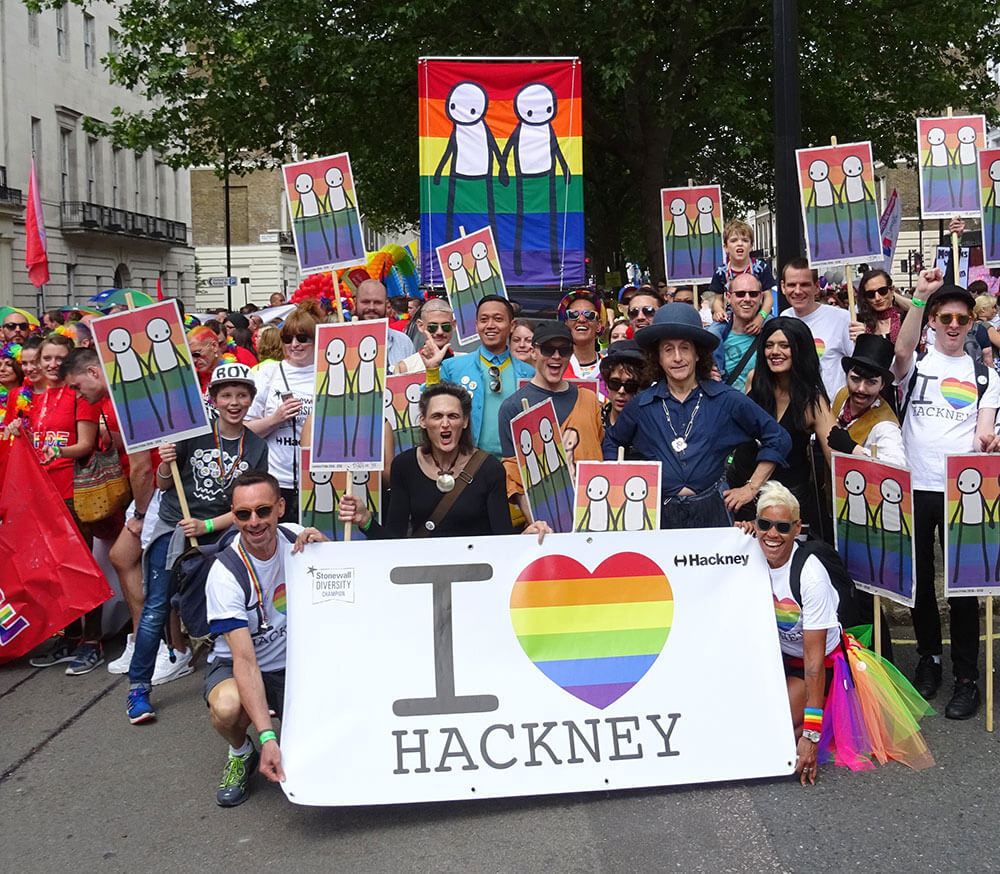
(617, 496)
(321, 490)
(470, 268)
(972, 529)
(545, 471)
(692, 233)
(949, 170)
(402, 409)
(989, 183)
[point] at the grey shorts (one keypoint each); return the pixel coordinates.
(274, 683)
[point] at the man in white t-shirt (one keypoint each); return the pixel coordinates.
(831, 327)
(949, 406)
(246, 670)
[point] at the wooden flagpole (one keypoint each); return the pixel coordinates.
(954, 243)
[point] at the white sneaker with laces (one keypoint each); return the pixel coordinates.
(121, 664)
(164, 671)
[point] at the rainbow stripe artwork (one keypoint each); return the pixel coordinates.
(348, 415)
(617, 496)
(595, 635)
(326, 218)
(501, 145)
(989, 197)
(279, 600)
(321, 491)
(150, 374)
(839, 212)
(402, 409)
(471, 270)
(545, 472)
(873, 506)
(692, 233)
(949, 169)
(787, 612)
(972, 525)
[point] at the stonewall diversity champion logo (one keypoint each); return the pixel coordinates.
(595, 635)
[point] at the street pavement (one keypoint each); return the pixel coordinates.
(81, 789)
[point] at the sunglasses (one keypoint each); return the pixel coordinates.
(196, 354)
(630, 385)
(495, 383)
(948, 318)
(871, 293)
(262, 512)
(444, 327)
(646, 311)
(744, 293)
(16, 326)
(767, 524)
(304, 339)
(549, 350)
(574, 315)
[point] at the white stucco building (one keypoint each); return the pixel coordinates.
(114, 218)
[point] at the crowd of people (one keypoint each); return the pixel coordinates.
(733, 401)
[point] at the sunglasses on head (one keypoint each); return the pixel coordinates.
(16, 326)
(304, 339)
(646, 311)
(551, 349)
(630, 385)
(444, 327)
(495, 382)
(744, 292)
(573, 315)
(767, 524)
(262, 512)
(948, 318)
(872, 293)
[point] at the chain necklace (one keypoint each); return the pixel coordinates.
(679, 443)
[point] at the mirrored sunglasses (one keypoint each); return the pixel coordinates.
(646, 311)
(574, 315)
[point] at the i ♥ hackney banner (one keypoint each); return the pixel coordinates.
(501, 145)
(494, 666)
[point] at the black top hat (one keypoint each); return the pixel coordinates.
(872, 351)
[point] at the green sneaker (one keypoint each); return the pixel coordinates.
(235, 785)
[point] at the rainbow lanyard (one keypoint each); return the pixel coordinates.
(219, 446)
(258, 589)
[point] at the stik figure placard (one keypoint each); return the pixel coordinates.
(471, 270)
(402, 410)
(617, 496)
(949, 172)
(321, 491)
(150, 375)
(989, 184)
(692, 232)
(873, 507)
(972, 530)
(349, 411)
(545, 473)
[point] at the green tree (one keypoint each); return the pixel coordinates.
(672, 90)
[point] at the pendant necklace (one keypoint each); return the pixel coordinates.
(679, 443)
(446, 478)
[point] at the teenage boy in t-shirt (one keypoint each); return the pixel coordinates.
(935, 424)
(737, 239)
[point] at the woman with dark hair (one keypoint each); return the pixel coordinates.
(624, 374)
(11, 379)
(583, 310)
(880, 309)
(691, 423)
(422, 477)
(786, 383)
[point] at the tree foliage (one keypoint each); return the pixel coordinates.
(672, 90)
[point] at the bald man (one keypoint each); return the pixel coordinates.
(436, 322)
(370, 303)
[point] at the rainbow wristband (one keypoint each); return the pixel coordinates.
(265, 736)
(813, 719)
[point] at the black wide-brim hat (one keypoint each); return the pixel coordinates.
(873, 351)
(676, 321)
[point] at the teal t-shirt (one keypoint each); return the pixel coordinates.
(736, 346)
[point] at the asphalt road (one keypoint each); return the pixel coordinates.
(81, 789)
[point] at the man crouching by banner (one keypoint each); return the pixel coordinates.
(245, 600)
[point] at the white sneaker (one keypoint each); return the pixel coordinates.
(164, 671)
(121, 664)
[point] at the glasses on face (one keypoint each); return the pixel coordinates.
(495, 382)
(647, 311)
(744, 292)
(550, 350)
(197, 354)
(767, 524)
(15, 326)
(948, 318)
(574, 315)
(444, 327)
(262, 512)
(304, 339)
(872, 293)
(631, 386)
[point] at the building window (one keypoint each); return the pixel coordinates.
(65, 164)
(93, 168)
(70, 282)
(33, 28)
(62, 32)
(89, 49)
(116, 178)
(139, 182)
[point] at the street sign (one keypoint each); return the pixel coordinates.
(221, 281)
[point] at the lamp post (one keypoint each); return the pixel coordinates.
(787, 131)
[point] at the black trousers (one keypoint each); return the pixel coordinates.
(928, 516)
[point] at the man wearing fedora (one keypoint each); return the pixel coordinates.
(864, 414)
(691, 423)
(938, 421)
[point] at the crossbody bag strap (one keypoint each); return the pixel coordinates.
(462, 479)
(732, 377)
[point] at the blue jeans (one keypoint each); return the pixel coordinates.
(154, 616)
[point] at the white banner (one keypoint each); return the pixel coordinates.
(455, 668)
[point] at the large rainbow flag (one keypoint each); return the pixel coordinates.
(501, 145)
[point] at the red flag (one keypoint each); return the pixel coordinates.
(159, 290)
(36, 257)
(50, 577)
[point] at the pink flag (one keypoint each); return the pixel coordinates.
(36, 258)
(159, 290)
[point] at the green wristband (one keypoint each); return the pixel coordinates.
(763, 313)
(367, 524)
(918, 303)
(265, 736)
(209, 526)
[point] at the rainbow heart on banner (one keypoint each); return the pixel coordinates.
(595, 635)
(958, 393)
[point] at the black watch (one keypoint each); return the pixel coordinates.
(139, 516)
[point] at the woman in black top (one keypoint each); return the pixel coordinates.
(421, 477)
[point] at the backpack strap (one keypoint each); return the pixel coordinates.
(982, 379)
(909, 388)
(795, 571)
(232, 562)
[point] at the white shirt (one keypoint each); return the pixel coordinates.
(831, 329)
(818, 609)
(283, 442)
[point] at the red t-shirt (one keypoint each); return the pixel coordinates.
(52, 422)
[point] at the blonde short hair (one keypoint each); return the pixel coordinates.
(983, 303)
(774, 494)
(736, 226)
